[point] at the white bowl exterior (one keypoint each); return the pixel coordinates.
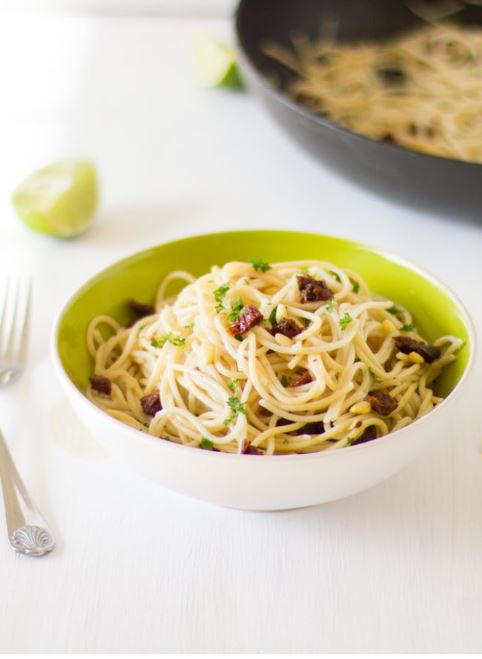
(261, 483)
(252, 482)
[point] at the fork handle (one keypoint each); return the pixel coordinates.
(27, 531)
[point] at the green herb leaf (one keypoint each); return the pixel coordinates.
(236, 309)
(176, 340)
(350, 441)
(207, 444)
(345, 320)
(259, 264)
(335, 275)
(356, 287)
(233, 384)
(330, 304)
(393, 310)
(238, 337)
(284, 380)
(305, 321)
(408, 327)
(189, 326)
(219, 295)
(272, 315)
(220, 292)
(236, 405)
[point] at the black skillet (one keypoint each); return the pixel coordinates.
(432, 182)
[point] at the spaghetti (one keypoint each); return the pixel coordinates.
(422, 90)
(261, 358)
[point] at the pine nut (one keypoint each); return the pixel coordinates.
(363, 407)
(283, 340)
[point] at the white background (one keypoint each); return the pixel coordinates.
(397, 568)
(189, 8)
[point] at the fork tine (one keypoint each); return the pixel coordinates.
(7, 320)
(23, 318)
(3, 308)
(14, 322)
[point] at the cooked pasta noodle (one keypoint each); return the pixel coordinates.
(291, 357)
(422, 90)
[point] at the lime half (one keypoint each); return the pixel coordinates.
(59, 199)
(215, 63)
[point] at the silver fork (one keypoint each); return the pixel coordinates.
(27, 531)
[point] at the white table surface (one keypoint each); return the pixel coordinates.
(397, 568)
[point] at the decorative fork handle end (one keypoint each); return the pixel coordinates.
(27, 530)
(32, 540)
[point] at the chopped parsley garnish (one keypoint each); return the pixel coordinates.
(345, 320)
(176, 340)
(393, 310)
(219, 295)
(330, 305)
(272, 315)
(233, 384)
(356, 287)
(259, 264)
(305, 321)
(207, 444)
(236, 309)
(408, 327)
(237, 407)
(238, 337)
(335, 275)
(284, 381)
(350, 440)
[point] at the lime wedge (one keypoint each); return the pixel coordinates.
(59, 199)
(214, 63)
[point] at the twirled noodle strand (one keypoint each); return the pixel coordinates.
(262, 390)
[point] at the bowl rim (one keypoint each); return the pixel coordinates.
(247, 62)
(396, 435)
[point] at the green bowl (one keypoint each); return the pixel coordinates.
(435, 309)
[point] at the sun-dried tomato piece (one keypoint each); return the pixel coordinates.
(367, 435)
(288, 327)
(151, 404)
(381, 402)
(313, 290)
(252, 450)
(140, 309)
(312, 428)
(248, 319)
(407, 345)
(304, 379)
(101, 384)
